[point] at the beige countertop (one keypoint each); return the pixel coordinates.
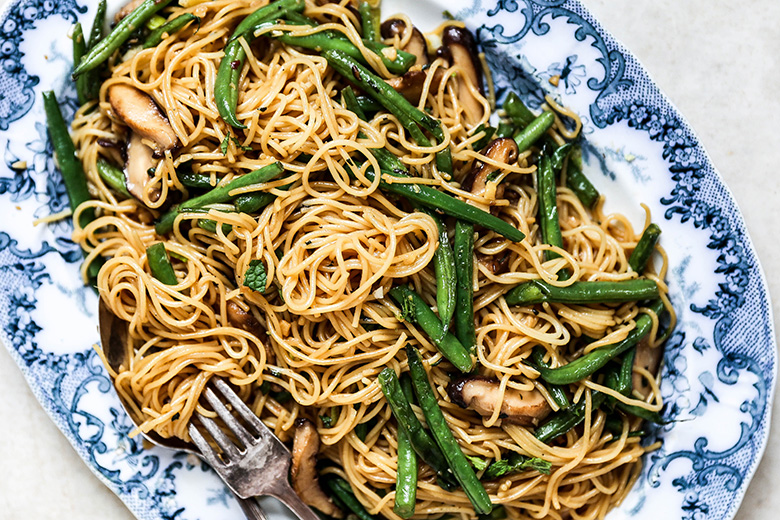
(718, 63)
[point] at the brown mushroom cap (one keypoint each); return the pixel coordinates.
(462, 51)
(482, 394)
(238, 317)
(303, 472)
(139, 111)
(140, 160)
(649, 358)
(416, 45)
(503, 150)
(411, 84)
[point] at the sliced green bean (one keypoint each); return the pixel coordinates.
(350, 102)
(589, 363)
(517, 112)
(210, 225)
(465, 330)
(625, 376)
(444, 267)
(368, 105)
(422, 443)
(516, 463)
(561, 422)
(437, 200)
(416, 310)
(218, 195)
(79, 49)
(160, 264)
(113, 176)
(557, 393)
(369, 18)
(229, 72)
(406, 472)
(577, 182)
(196, 180)
(410, 117)
(70, 166)
(485, 139)
(534, 131)
(106, 47)
(343, 491)
(442, 434)
(644, 249)
(538, 291)
(642, 413)
(96, 34)
(549, 223)
(169, 28)
(504, 130)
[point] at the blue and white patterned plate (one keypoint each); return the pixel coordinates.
(720, 368)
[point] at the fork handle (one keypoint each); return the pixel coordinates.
(251, 508)
(290, 498)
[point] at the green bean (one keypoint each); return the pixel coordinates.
(417, 311)
(625, 376)
(98, 23)
(589, 363)
(253, 202)
(485, 139)
(464, 275)
(232, 63)
(218, 195)
(549, 223)
(642, 413)
(113, 176)
(514, 464)
(504, 130)
(422, 443)
(577, 182)
(444, 267)
(437, 200)
(559, 156)
(561, 422)
(196, 180)
(160, 264)
(106, 47)
(210, 225)
(350, 102)
(538, 291)
(88, 84)
(557, 393)
(368, 105)
(534, 131)
(332, 40)
(644, 249)
(79, 49)
(517, 112)
(406, 472)
(411, 118)
(442, 434)
(70, 166)
(369, 18)
(170, 28)
(342, 490)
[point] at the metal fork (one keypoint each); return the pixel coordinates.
(260, 467)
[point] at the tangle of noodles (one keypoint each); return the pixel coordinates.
(332, 247)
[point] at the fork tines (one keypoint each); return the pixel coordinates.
(229, 449)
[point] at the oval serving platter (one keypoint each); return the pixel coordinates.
(720, 363)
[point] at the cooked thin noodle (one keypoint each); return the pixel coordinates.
(332, 248)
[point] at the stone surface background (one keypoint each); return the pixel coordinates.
(718, 63)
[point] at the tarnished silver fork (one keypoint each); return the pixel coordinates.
(260, 466)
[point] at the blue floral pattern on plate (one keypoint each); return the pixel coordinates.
(720, 364)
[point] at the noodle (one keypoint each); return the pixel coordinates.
(333, 245)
